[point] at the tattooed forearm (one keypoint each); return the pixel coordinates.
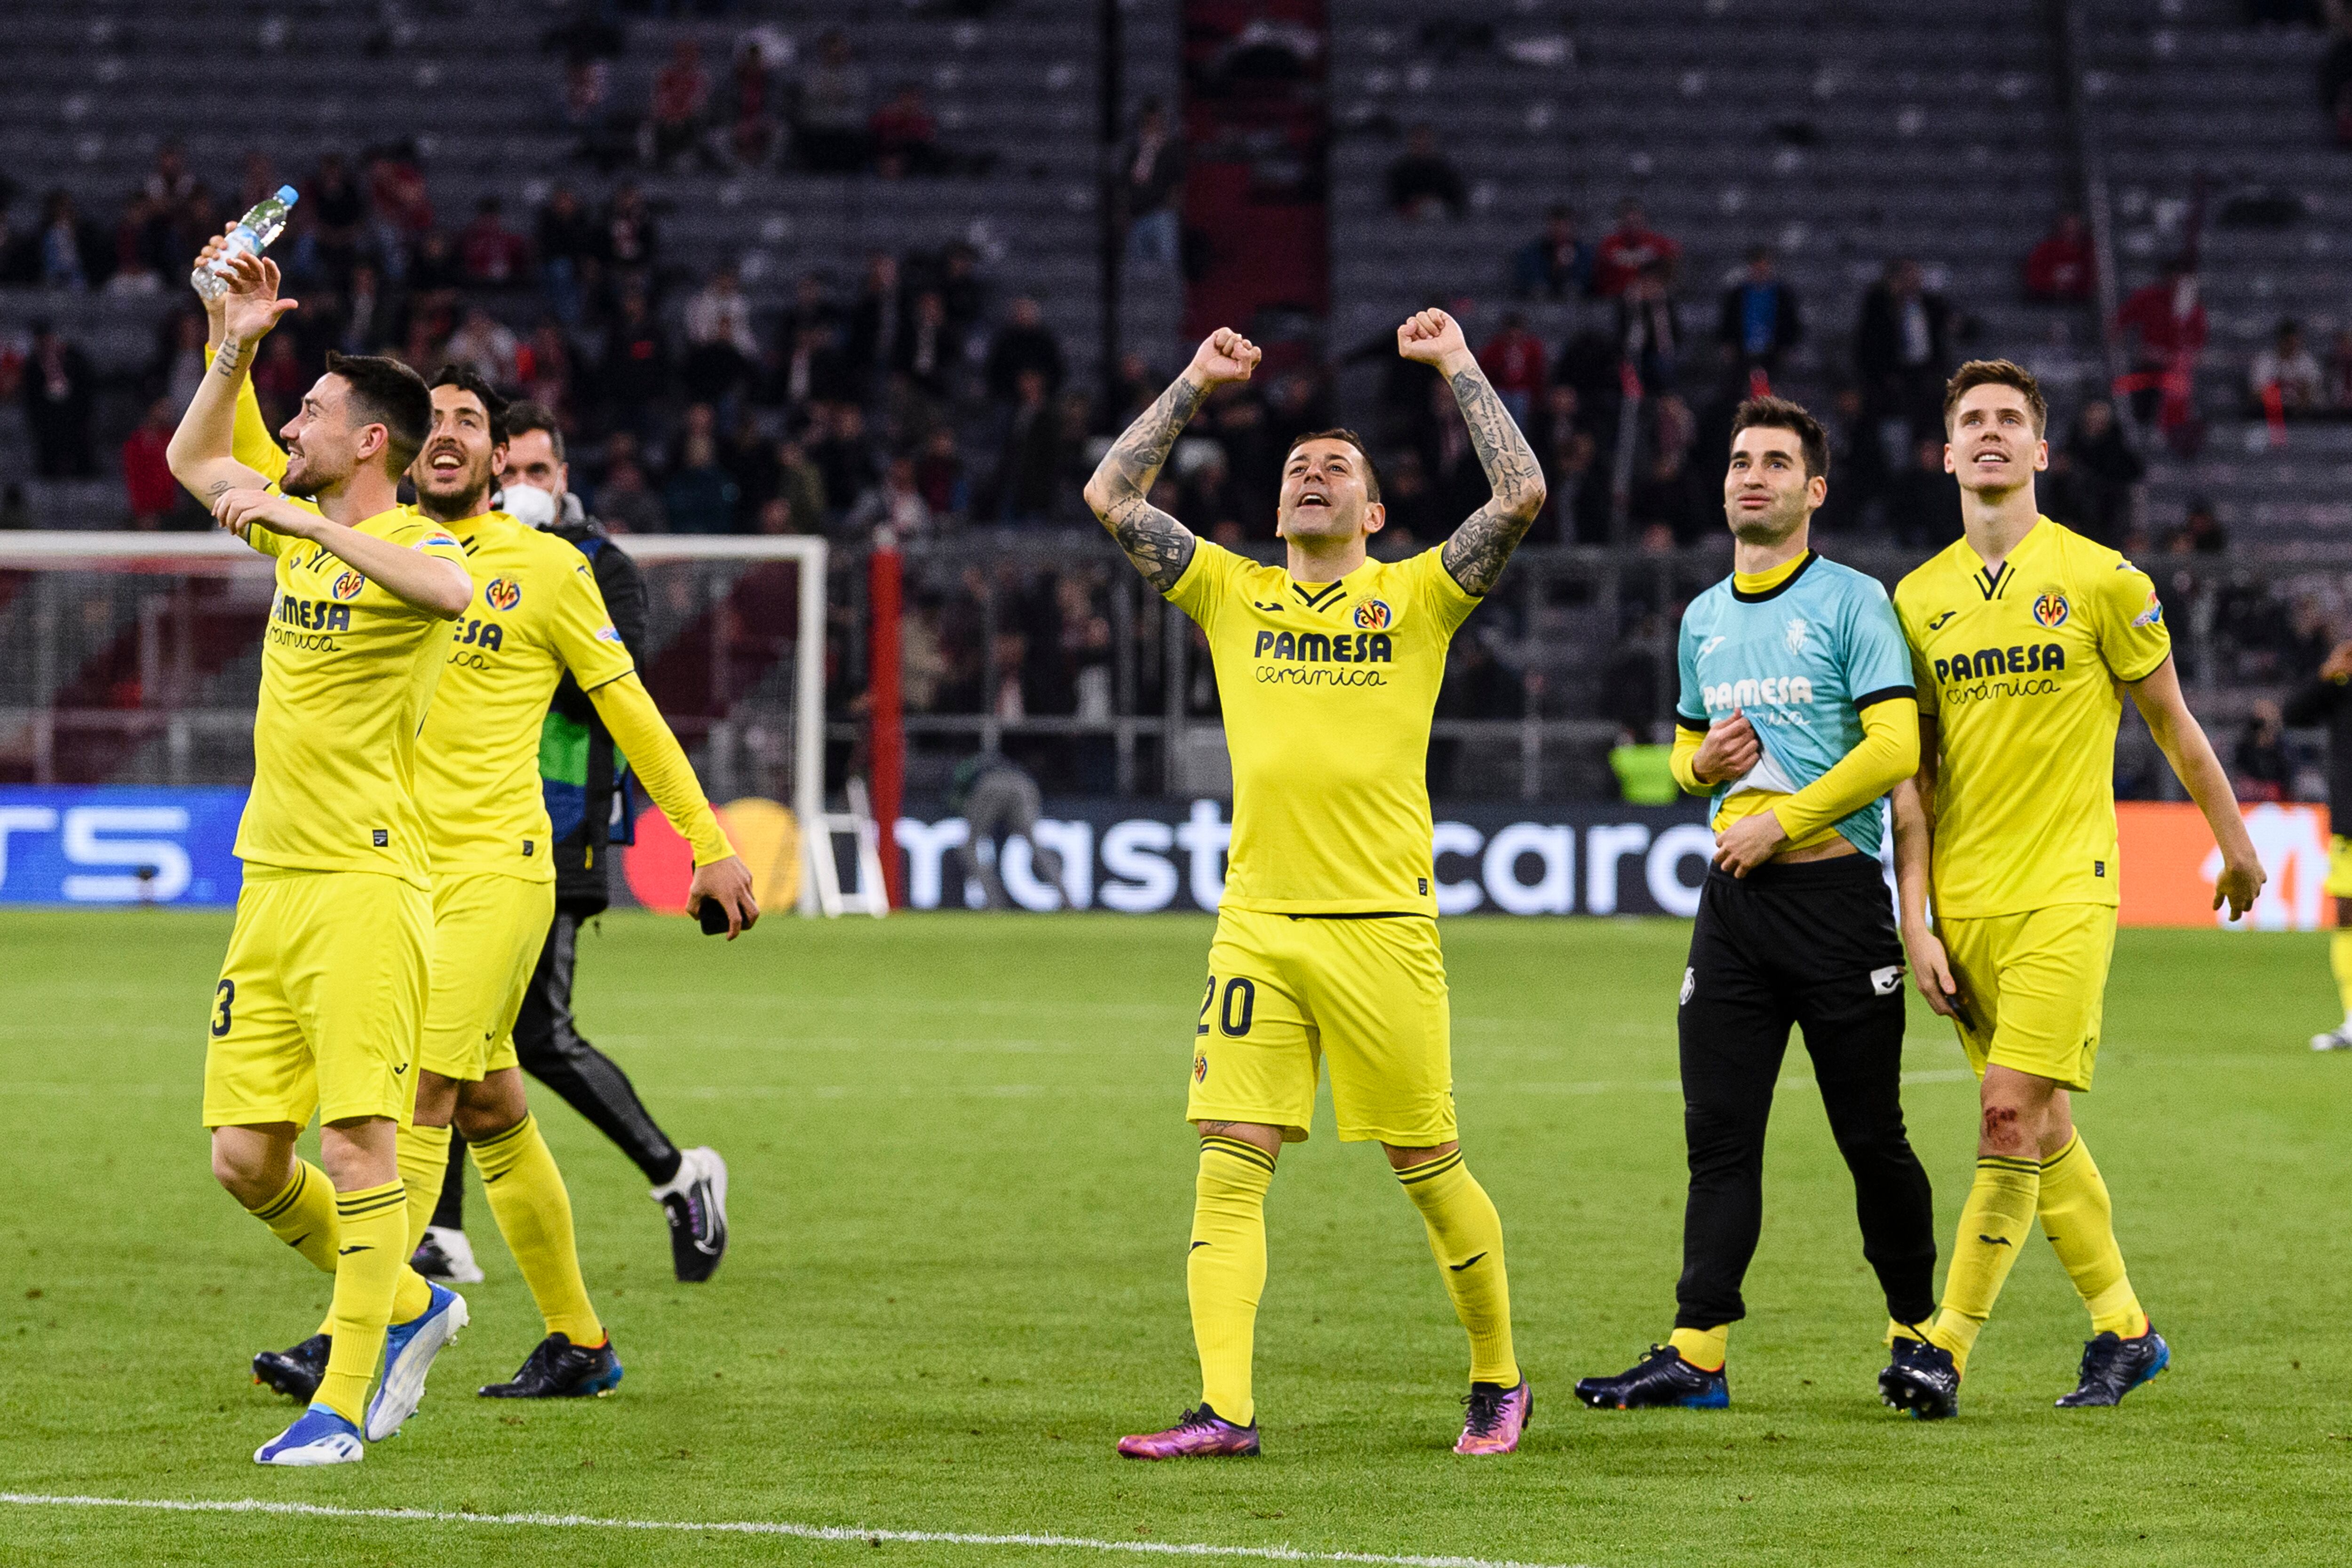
(1159, 546)
(1482, 546)
(230, 357)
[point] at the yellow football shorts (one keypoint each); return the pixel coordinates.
(2035, 985)
(321, 999)
(2339, 867)
(488, 929)
(1286, 991)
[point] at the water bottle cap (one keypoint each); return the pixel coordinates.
(287, 195)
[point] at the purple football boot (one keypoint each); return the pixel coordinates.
(1498, 1417)
(1202, 1434)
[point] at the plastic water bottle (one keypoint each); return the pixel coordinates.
(251, 236)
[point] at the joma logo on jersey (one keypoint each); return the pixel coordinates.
(503, 593)
(1314, 647)
(1374, 615)
(1781, 690)
(2014, 660)
(484, 634)
(312, 614)
(2050, 611)
(348, 585)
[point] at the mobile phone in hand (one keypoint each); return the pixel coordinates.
(713, 915)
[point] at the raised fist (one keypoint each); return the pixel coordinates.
(1433, 337)
(1225, 355)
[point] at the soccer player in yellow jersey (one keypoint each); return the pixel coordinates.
(2022, 636)
(320, 1000)
(1326, 949)
(536, 612)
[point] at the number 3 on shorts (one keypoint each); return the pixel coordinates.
(224, 998)
(1233, 1017)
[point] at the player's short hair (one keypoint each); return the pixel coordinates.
(1781, 413)
(465, 378)
(524, 417)
(1997, 372)
(1341, 433)
(387, 393)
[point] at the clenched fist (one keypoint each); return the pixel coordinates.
(1434, 338)
(1224, 355)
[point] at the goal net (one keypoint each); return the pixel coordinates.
(130, 665)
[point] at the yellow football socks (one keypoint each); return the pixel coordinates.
(423, 1161)
(2079, 1219)
(1224, 1270)
(2339, 959)
(302, 1216)
(1703, 1348)
(374, 1224)
(1466, 1235)
(1994, 1222)
(534, 1213)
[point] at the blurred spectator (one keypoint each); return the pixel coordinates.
(183, 362)
(681, 98)
(1024, 345)
(1029, 464)
(1555, 263)
(1902, 346)
(1672, 495)
(798, 484)
(368, 312)
(279, 379)
(2107, 469)
(1857, 465)
(829, 123)
(2287, 374)
(1630, 249)
(750, 116)
(720, 347)
(340, 210)
(489, 252)
(2061, 271)
(1923, 503)
(625, 503)
(701, 495)
(257, 180)
(897, 504)
(434, 267)
(60, 393)
(587, 86)
(543, 367)
(136, 248)
(2262, 771)
(813, 369)
(487, 344)
(63, 251)
(2339, 372)
(1649, 330)
(924, 350)
(1422, 183)
(1412, 513)
(396, 193)
(843, 457)
(940, 474)
(147, 479)
(1515, 362)
(1153, 187)
(169, 185)
(2200, 532)
(1760, 320)
(635, 371)
(632, 243)
(2168, 318)
(960, 287)
(876, 322)
(904, 136)
(569, 250)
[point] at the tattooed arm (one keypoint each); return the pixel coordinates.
(1482, 546)
(1120, 491)
(202, 453)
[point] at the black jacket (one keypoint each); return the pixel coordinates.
(2330, 702)
(583, 884)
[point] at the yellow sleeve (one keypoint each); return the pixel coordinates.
(642, 736)
(1888, 753)
(1440, 596)
(1681, 763)
(582, 629)
(252, 445)
(1206, 581)
(2133, 637)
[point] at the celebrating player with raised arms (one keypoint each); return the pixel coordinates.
(321, 998)
(1796, 716)
(1328, 670)
(2022, 634)
(533, 613)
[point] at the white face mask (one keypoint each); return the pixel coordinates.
(527, 505)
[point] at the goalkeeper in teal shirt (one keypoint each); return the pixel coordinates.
(1797, 715)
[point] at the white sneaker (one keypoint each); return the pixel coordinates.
(695, 1203)
(445, 1256)
(408, 1352)
(2336, 1039)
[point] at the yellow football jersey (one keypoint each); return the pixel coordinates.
(2019, 670)
(537, 612)
(1328, 690)
(347, 675)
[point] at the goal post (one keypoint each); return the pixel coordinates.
(134, 657)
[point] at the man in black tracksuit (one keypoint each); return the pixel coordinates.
(589, 805)
(2327, 699)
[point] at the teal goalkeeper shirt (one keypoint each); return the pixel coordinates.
(1801, 660)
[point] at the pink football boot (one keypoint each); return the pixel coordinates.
(1498, 1417)
(1203, 1434)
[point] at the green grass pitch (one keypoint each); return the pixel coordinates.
(962, 1189)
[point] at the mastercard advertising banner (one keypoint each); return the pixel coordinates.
(2169, 864)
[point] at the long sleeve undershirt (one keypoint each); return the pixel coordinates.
(643, 737)
(1887, 753)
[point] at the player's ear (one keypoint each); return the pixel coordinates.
(1951, 464)
(2041, 455)
(1376, 517)
(1817, 491)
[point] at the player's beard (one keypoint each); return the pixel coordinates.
(303, 481)
(475, 498)
(1773, 528)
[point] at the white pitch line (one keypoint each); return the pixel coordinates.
(763, 1526)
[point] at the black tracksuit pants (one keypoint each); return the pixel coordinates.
(1813, 944)
(552, 1051)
